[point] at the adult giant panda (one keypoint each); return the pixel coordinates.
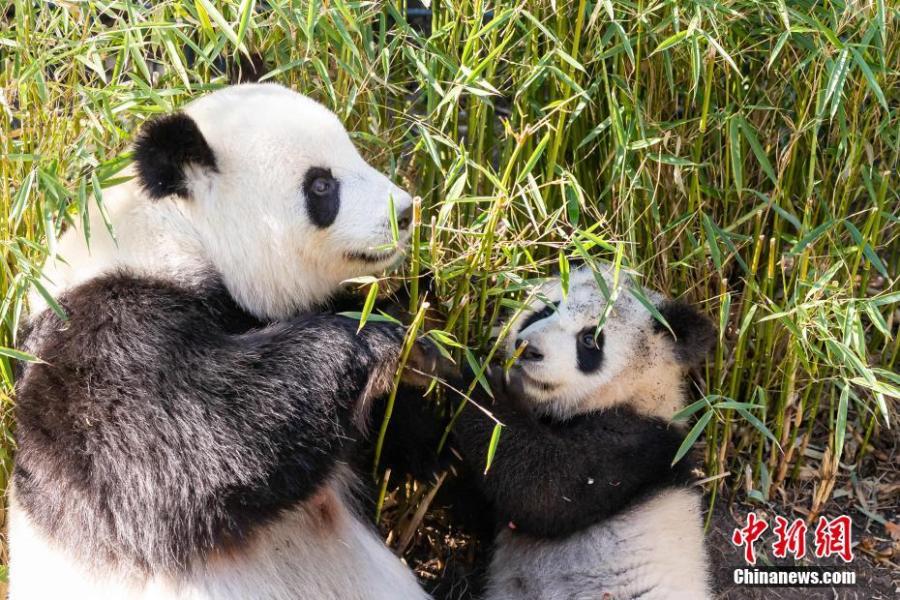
(185, 435)
(580, 484)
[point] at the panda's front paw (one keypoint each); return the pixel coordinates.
(426, 362)
(509, 390)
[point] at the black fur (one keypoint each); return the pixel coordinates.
(166, 422)
(538, 316)
(590, 356)
(322, 207)
(695, 334)
(247, 68)
(164, 147)
(412, 438)
(553, 478)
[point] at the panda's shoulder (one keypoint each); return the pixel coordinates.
(110, 309)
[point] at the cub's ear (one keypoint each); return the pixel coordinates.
(695, 335)
(164, 147)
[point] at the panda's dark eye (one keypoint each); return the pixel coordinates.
(323, 198)
(589, 350)
(588, 340)
(322, 186)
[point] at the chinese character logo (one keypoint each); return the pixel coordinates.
(746, 536)
(833, 538)
(791, 539)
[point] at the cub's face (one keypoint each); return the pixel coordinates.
(283, 203)
(568, 366)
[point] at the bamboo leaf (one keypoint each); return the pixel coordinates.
(671, 41)
(367, 306)
(870, 78)
(492, 446)
(734, 147)
(19, 355)
(866, 248)
(692, 436)
(750, 135)
(840, 427)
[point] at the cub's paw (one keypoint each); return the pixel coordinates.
(425, 362)
(509, 389)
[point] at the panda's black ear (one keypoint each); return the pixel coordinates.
(695, 335)
(164, 147)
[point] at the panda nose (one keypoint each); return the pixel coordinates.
(405, 218)
(530, 352)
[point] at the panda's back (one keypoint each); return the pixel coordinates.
(652, 551)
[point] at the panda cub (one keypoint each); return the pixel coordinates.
(587, 412)
(188, 430)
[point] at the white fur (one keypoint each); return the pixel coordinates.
(658, 543)
(247, 221)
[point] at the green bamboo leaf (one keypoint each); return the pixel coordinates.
(692, 436)
(48, 298)
(175, 58)
(870, 78)
(735, 405)
(690, 409)
(675, 161)
(758, 424)
(877, 320)
(724, 316)
(594, 133)
(492, 446)
(651, 307)
(535, 156)
(750, 135)
(776, 50)
(202, 15)
(19, 355)
(867, 249)
(672, 40)
(812, 236)
(836, 81)
(734, 147)
(564, 273)
(246, 13)
(478, 370)
(222, 22)
(711, 242)
(715, 44)
(886, 299)
(367, 306)
(840, 426)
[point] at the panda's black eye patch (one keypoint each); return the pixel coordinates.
(323, 198)
(589, 346)
(539, 316)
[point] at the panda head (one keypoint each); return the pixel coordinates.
(280, 201)
(568, 367)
